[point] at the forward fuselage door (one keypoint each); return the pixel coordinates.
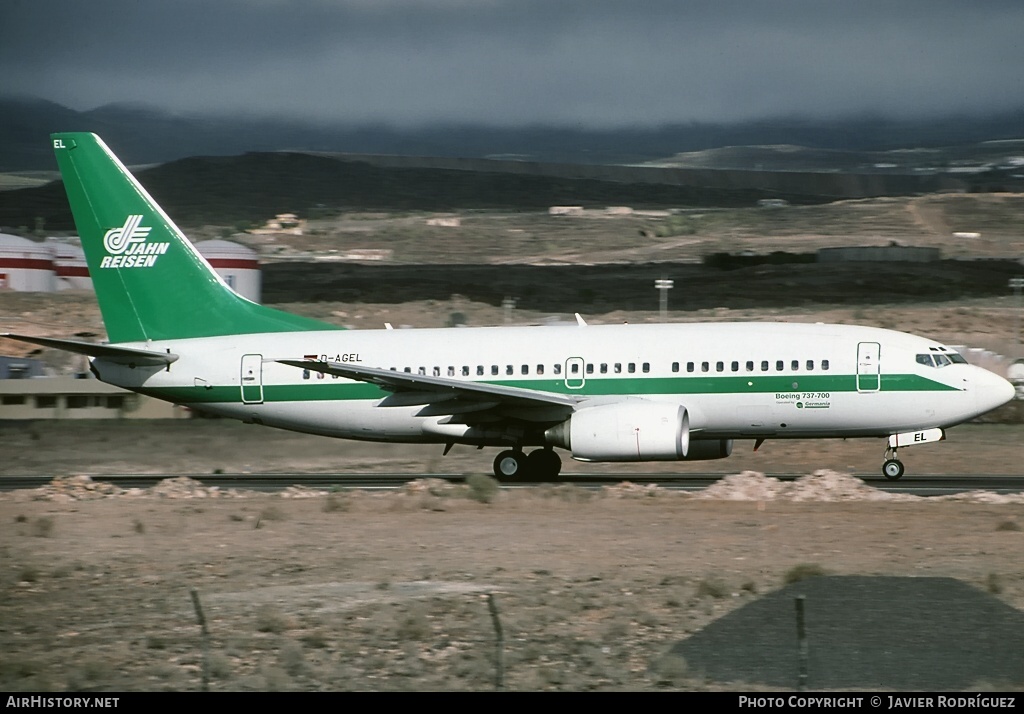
(574, 376)
(869, 368)
(252, 379)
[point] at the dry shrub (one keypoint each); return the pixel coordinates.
(337, 502)
(291, 659)
(414, 626)
(483, 488)
(712, 587)
(669, 669)
(220, 666)
(802, 572)
(315, 639)
(270, 619)
(42, 527)
(994, 584)
(272, 513)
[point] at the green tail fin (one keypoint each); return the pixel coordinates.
(150, 281)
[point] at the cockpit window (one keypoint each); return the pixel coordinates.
(940, 359)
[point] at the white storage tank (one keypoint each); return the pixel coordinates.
(25, 265)
(70, 267)
(237, 264)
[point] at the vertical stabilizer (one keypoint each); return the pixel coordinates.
(150, 281)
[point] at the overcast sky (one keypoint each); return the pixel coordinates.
(581, 63)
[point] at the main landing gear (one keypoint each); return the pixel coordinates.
(514, 465)
(892, 469)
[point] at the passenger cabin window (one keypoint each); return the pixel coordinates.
(525, 369)
(689, 366)
(451, 371)
(509, 370)
(479, 370)
(719, 366)
(824, 365)
(540, 369)
(590, 368)
(618, 368)
(646, 367)
(575, 369)
(750, 365)
(795, 365)
(604, 368)
(558, 369)
(779, 365)
(735, 366)
(810, 365)
(494, 370)
(764, 365)
(675, 366)
(705, 366)
(422, 370)
(437, 371)
(465, 370)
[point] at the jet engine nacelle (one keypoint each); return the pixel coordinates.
(709, 450)
(627, 431)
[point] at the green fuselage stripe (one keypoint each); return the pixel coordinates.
(329, 389)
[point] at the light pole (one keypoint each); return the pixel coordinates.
(664, 285)
(1017, 284)
(509, 303)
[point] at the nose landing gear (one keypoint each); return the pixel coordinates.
(892, 469)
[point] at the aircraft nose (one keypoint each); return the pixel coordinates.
(993, 391)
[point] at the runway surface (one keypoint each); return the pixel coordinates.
(920, 484)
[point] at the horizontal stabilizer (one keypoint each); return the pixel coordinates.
(110, 353)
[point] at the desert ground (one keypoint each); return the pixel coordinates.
(360, 590)
(367, 590)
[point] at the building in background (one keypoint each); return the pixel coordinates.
(237, 264)
(72, 272)
(26, 265)
(59, 264)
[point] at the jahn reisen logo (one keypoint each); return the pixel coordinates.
(128, 247)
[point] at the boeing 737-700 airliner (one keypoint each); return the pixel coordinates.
(666, 392)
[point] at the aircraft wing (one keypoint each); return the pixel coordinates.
(111, 353)
(436, 389)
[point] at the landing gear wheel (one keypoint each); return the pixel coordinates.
(509, 465)
(892, 469)
(543, 464)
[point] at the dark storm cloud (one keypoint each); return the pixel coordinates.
(578, 62)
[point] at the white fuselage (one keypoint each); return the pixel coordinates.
(737, 380)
